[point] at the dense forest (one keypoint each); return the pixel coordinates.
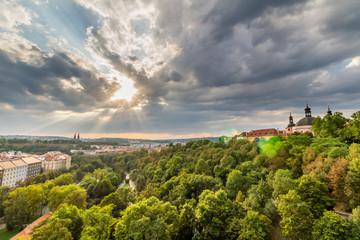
(204, 190)
(42, 147)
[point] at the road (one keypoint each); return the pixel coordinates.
(131, 183)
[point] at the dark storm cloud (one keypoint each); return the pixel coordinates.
(58, 82)
(270, 50)
(227, 14)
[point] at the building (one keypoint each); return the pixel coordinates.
(9, 174)
(55, 161)
(1, 175)
(34, 166)
(261, 133)
(304, 124)
(21, 170)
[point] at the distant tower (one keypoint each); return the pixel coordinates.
(74, 136)
(329, 111)
(78, 136)
(307, 110)
(291, 121)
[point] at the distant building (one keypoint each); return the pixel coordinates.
(54, 161)
(261, 133)
(304, 124)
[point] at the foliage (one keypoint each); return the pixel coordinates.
(98, 223)
(254, 226)
(70, 194)
(296, 216)
(22, 205)
(213, 213)
(315, 193)
(332, 226)
(148, 219)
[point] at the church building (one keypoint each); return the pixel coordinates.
(304, 124)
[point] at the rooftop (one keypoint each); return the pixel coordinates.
(30, 160)
(7, 164)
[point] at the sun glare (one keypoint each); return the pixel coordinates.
(126, 91)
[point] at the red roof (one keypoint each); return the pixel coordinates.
(263, 132)
(24, 234)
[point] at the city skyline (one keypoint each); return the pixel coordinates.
(150, 69)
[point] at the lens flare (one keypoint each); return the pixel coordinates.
(269, 147)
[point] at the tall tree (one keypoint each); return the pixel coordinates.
(296, 216)
(98, 223)
(332, 226)
(148, 219)
(254, 226)
(315, 193)
(214, 213)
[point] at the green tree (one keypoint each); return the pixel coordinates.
(236, 182)
(282, 183)
(55, 230)
(66, 223)
(4, 194)
(254, 226)
(297, 219)
(214, 213)
(22, 205)
(98, 223)
(315, 193)
(64, 179)
(70, 194)
(354, 127)
(329, 125)
(120, 199)
(202, 167)
(103, 188)
(187, 220)
(148, 219)
(331, 226)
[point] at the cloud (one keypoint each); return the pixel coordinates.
(58, 81)
(197, 66)
(12, 14)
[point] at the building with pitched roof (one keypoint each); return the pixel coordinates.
(34, 166)
(261, 133)
(54, 161)
(21, 170)
(9, 174)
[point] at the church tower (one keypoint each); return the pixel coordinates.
(307, 110)
(329, 111)
(291, 121)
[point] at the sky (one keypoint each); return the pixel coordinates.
(174, 69)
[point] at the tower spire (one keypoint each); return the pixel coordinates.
(291, 121)
(329, 111)
(307, 110)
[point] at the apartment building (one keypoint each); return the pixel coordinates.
(54, 161)
(21, 170)
(9, 174)
(34, 166)
(1, 175)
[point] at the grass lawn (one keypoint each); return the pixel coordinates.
(126, 185)
(6, 235)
